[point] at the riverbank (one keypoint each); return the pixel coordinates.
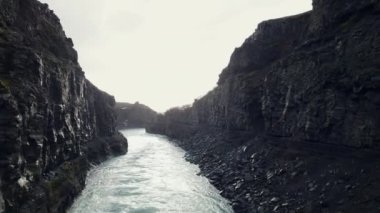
(261, 174)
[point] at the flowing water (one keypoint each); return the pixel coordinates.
(152, 177)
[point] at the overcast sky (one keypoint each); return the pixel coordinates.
(162, 53)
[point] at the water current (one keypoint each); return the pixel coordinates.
(152, 177)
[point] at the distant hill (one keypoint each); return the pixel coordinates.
(134, 115)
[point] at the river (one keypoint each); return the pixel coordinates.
(152, 177)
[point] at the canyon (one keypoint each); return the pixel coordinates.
(292, 126)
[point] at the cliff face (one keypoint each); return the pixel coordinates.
(134, 115)
(311, 77)
(52, 120)
(294, 123)
(328, 90)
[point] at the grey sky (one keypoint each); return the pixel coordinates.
(162, 53)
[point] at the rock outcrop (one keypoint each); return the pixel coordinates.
(134, 115)
(53, 122)
(301, 88)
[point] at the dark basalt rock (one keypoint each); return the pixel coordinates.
(134, 115)
(53, 122)
(294, 120)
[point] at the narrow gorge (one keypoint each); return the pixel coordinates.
(292, 126)
(53, 122)
(294, 123)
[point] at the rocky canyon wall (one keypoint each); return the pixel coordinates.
(310, 77)
(53, 122)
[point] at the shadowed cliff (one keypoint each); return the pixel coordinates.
(53, 122)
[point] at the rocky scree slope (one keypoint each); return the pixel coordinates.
(134, 115)
(294, 121)
(53, 122)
